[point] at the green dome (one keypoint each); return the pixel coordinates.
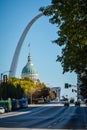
(29, 69)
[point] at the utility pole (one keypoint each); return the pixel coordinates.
(78, 85)
(1, 77)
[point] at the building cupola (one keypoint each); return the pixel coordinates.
(29, 70)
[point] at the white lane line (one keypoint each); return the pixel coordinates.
(14, 114)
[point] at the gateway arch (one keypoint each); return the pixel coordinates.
(19, 45)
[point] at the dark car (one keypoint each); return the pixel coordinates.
(85, 101)
(77, 103)
(66, 104)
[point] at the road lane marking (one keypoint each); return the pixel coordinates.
(34, 129)
(14, 114)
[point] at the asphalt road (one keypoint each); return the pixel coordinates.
(50, 116)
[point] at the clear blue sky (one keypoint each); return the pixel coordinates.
(14, 17)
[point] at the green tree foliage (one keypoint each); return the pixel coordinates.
(8, 90)
(18, 88)
(26, 84)
(71, 20)
(70, 16)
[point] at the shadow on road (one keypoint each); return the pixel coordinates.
(45, 117)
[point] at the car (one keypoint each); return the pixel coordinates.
(66, 104)
(77, 103)
(2, 110)
(71, 100)
(85, 100)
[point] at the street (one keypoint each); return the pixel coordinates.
(49, 116)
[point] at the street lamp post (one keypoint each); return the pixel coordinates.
(1, 77)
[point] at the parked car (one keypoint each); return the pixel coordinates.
(2, 110)
(77, 103)
(66, 104)
(85, 100)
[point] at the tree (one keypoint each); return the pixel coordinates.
(41, 91)
(52, 94)
(71, 20)
(70, 16)
(8, 90)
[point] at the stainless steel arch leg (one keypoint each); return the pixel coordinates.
(19, 45)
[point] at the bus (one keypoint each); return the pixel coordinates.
(23, 102)
(15, 104)
(6, 104)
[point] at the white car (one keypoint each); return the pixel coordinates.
(2, 110)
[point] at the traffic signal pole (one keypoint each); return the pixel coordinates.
(74, 90)
(2, 75)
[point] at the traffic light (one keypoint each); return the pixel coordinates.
(70, 85)
(66, 85)
(5, 78)
(73, 90)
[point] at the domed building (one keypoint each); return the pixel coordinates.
(30, 71)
